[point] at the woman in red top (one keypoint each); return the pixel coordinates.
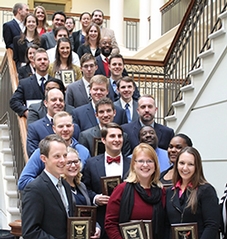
(41, 14)
(141, 197)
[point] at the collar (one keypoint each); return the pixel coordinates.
(123, 103)
(38, 76)
(18, 21)
(142, 124)
(104, 57)
(53, 179)
(106, 154)
(86, 83)
(49, 117)
(178, 185)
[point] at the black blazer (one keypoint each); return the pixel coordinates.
(84, 116)
(24, 71)
(28, 89)
(76, 40)
(86, 49)
(10, 30)
(165, 134)
(19, 51)
(48, 218)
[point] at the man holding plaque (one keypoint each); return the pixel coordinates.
(109, 164)
(47, 201)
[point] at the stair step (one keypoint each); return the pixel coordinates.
(13, 194)
(6, 150)
(178, 103)
(9, 178)
(217, 33)
(195, 71)
(206, 53)
(13, 210)
(187, 88)
(7, 163)
(4, 137)
(170, 118)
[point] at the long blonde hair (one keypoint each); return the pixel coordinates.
(150, 152)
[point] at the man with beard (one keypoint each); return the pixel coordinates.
(97, 17)
(147, 110)
(148, 135)
(31, 88)
(70, 25)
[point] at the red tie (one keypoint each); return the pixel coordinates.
(106, 67)
(110, 159)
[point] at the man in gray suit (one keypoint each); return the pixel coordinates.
(78, 93)
(47, 39)
(97, 17)
(105, 113)
(126, 88)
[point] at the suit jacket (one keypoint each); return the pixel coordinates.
(38, 110)
(24, 71)
(76, 94)
(38, 130)
(48, 218)
(86, 49)
(28, 89)
(105, 32)
(135, 115)
(164, 134)
(93, 171)
(114, 97)
(84, 116)
(86, 138)
(101, 70)
(76, 40)
(19, 51)
(48, 40)
(10, 30)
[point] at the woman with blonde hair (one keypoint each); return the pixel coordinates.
(140, 197)
(41, 14)
(192, 199)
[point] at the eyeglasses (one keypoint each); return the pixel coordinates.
(69, 163)
(141, 161)
(87, 66)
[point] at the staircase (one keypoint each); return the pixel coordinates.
(9, 210)
(201, 113)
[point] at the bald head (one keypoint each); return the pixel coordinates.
(106, 46)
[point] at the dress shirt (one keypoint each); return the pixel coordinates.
(114, 85)
(142, 124)
(87, 86)
(114, 169)
(20, 23)
(38, 77)
(50, 118)
(130, 107)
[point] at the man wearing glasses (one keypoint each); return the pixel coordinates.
(78, 93)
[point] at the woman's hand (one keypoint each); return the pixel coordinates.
(97, 233)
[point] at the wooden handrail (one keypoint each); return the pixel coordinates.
(21, 120)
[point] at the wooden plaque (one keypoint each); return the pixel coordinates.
(109, 183)
(184, 231)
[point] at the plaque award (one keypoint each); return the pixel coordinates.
(134, 229)
(67, 76)
(184, 231)
(78, 228)
(109, 183)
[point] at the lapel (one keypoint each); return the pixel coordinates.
(126, 165)
(81, 88)
(176, 202)
(158, 131)
(91, 114)
(135, 113)
(100, 65)
(100, 166)
(95, 131)
(16, 25)
(118, 103)
(47, 125)
(35, 85)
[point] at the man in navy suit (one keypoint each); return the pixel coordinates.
(48, 39)
(126, 88)
(147, 110)
(116, 66)
(16, 26)
(47, 201)
(78, 92)
(84, 115)
(54, 101)
(111, 163)
(31, 88)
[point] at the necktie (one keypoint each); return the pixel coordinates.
(115, 87)
(110, 159)
(42, 83)
(106, 67)
(127, 111)
(60, 190)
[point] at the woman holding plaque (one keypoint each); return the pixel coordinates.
(177, 143)
(192, 199)
(73, 177)
(140, 197)
(64, 62)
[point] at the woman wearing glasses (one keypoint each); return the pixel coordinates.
(140, 197)
(73, 177)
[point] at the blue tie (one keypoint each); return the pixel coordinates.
(42, 83)
(115, 87)
(128, 113)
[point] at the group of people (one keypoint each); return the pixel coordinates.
(161, 173)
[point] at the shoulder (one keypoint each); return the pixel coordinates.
(162, 127)
(205, 189)
(130, 125)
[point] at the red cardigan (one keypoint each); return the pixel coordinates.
(141, 210)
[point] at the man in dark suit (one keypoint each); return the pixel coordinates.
(31, 88)
(84, 115)
(105, 112)
(48, 39)
(126, 88)
(111, 163)
(47, 201)
(16, 26)
(54, 101)
(147, 110)
(116, 66)
(78, 92)
(38, 110)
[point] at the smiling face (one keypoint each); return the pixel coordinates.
(85, 20)
(93, 33)
(113, 141)
(31, 52)
(97, 18)
(31, 23)
(126, 90)
(64, 127)
(88, 68)
(41, 61)
(56, 159)
(59, 20)
(69, 24)
(144, 167)
(106, 46)
(98, 91)
(148, 136)
(176, 144)
(64, 50)
(40, 14)
(105, 114)
(116, 67)
(73, 165)
(186, 167)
